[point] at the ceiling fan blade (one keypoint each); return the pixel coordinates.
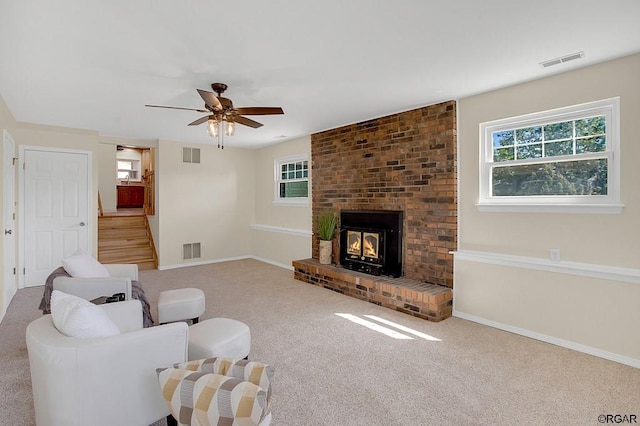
(171, 107)
(226, 102)
(246, 121)
(260, 110)
(210, 99)
(200, 120)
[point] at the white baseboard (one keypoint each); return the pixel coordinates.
(271, 262)
(550, 339)
(228, 259)
(202, 262)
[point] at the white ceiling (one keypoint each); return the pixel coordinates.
(94, 64)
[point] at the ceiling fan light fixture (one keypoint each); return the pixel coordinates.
(213, 128)
(230, 128)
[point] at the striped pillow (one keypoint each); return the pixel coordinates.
(196, 398)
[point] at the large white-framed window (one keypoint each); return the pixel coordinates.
(561, 160)
(291, 180)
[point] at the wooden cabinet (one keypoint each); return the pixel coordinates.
(130, 196)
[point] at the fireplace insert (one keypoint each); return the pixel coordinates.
(371, 241)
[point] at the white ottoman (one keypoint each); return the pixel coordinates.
(180, 304)
(219, 337)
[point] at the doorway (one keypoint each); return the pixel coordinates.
(54, 209)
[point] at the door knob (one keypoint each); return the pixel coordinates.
(7, 231)
(81, 223)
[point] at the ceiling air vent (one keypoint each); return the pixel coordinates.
(562, 59)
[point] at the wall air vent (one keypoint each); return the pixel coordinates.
(563, 59)
(190, 155)
(190, 251)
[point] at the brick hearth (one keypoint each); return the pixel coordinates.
(427, 301)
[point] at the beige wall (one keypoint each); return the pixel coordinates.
(574, 309)
(211, 203)
(8, 123)
(280, 234)
(107, 176)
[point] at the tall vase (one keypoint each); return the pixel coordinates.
(325, 252)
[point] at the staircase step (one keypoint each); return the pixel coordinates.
(104, 234)
(143, 264)
(113, 243)
(124, 239)
(105, 222)
(131, 253)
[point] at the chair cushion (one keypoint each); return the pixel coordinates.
(83, 265)
(219, 337)
(211, 398)
(76, 317)
(180, 304)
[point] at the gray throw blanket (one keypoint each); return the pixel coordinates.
(137, 293)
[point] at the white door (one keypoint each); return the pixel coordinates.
(9, 219)
(56, 210)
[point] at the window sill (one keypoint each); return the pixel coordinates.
(551, 208)
(304, 203)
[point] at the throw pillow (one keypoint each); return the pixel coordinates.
(252, 371)
(76, 317)
(83, 265)
(197, 398)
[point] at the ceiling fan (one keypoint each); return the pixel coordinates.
(222, 115)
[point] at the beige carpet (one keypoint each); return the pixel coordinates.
(332, 371)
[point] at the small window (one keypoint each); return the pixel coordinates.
(559, 160)
(128, 170)
(292, 180)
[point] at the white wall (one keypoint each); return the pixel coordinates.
(280, 234)
(211, 203)
(598, 315)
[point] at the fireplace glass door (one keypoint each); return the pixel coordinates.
(370, 244)
(363, 245)
(371, 241)
(354, 243)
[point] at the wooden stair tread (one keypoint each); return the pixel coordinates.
(118, 244)
(124, 239)
(112, 232)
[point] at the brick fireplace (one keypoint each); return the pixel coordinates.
(403, 162)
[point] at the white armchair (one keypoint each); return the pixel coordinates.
(91, 288)
(107, 380)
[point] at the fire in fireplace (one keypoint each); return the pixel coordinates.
(371, 241)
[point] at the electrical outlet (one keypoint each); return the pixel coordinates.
(554, 255)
